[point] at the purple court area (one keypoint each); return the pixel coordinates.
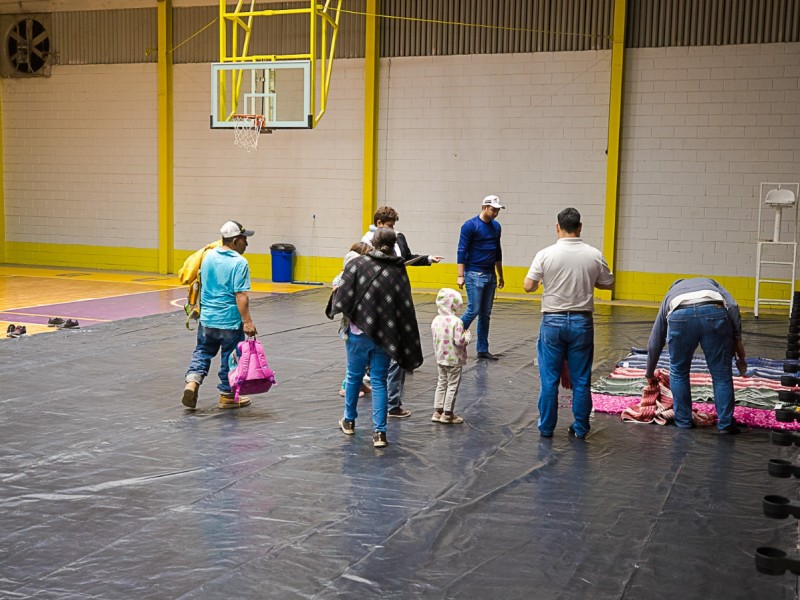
(101, 310)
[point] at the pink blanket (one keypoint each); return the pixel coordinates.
(752, 417)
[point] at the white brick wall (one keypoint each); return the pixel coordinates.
(80, 156)
(702, 128)
(530, 128)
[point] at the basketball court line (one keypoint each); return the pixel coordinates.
(30, 296)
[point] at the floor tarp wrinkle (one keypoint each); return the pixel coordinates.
(110, 489)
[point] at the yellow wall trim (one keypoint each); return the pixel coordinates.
(629, 286)
(116, 258)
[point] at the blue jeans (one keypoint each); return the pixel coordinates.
(394, 384)
(362, 351)
(710, 327)
(567, 337)
(480, 299)
(209, 341)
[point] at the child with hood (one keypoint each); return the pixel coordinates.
(450, 345)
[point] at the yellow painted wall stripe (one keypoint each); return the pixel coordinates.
(166, 207)
(371, 97)
(614, 132)
(630, 286)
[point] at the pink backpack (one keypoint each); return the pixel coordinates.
(249, 371)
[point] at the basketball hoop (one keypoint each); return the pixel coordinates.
(246, 129)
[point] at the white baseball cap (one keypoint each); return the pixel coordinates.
(233, 229)
(492, 201)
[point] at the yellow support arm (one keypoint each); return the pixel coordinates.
(614, 134)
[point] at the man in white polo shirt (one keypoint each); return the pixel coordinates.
(569, 270)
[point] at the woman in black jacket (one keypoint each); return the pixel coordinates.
(375, 295)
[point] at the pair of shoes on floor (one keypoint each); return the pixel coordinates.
(15, 331)
(379, 439)
(574, 434)
(360, 394)
(189, 399)
(446, 419)
(347, 426)
(399, 413)
(488, 356)
(62, 324)
(227, 401)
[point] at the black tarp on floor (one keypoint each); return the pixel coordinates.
(109, 489)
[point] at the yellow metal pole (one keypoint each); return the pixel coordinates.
(166, 209)
(2, 188)
(313, 53)
(614, 134)
(372, 61)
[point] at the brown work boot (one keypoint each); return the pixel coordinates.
(227, 401)
(190, 394)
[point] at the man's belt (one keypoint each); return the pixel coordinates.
(705, 303)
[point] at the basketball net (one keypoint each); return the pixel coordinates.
(246, 130)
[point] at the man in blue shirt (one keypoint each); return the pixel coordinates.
(479, 255)
(224, 314)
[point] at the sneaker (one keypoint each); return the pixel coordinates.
(488, 356)
(733, 429)
(573, 433)
(226, 401)
(70, 324)
(451, 419)
(436, 416)
(18, 331)
(347, 426)
(10, 329)
(399, 413)
(190, 394)
(379, 439)
(55, 322)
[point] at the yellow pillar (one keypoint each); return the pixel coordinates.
(2, 188)
(372, 62)
(614, 132)
(166, 212)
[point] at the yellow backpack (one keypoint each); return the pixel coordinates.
(189, 274)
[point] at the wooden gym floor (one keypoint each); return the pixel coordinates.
(30, 296)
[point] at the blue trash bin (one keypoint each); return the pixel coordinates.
(282, 261)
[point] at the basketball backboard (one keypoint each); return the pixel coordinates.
(279, 90)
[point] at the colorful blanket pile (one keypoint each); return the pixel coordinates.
(626, 392)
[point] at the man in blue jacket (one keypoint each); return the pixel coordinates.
(479, 256)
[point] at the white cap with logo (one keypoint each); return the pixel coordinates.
(233, 229)
(492, 201)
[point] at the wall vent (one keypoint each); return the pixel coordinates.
(26, 46)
